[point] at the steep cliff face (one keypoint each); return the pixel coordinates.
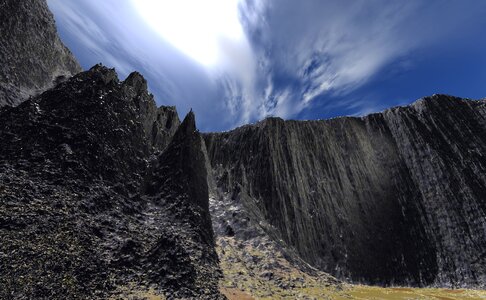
(181, 171)
(177, 181)
(32, 57)
(442, 140)
(76, 220)
(396, 197)
(104, 194)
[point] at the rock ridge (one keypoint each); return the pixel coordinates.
(396, 197)
(75, 219)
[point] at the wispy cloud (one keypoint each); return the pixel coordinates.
(88, 33)
(111, 32)
(293, 56)
(308, 50)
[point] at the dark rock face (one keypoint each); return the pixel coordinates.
(101, 191)
(392, 198)
(181, 172)
(177, 181)
(32, 57)
(109, 128)
(76, 220)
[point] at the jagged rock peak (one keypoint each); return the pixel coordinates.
(137, 81)
(184, 161)
(178, 181)
(73, 162)
(94, 101)
(188, 126)
(104, 74)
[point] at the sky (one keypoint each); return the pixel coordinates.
(238, 61)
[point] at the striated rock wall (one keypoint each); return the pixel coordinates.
(32, 57)
(442, 140)
(391, 198)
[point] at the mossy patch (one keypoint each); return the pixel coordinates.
(247, 276)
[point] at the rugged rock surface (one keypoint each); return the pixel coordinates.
(32, 57)
(102, 194)
(397, 197)
(254, 263)
(177, 181)
(83, 214)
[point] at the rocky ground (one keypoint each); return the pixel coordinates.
(101, 192)
(103, 195)
(255, 266)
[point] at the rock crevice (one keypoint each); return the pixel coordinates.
(75, 218)
(392, 198)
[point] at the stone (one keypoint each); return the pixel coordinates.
(75, 217)
(393, 198)
(32, 57)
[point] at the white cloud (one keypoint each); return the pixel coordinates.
(293, 55)
(111, 32)
(88, 33)
(307, 49)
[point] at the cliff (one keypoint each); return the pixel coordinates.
(32, 57)
(103, 194)
(77, 156)
(75, 218)
(392, 198)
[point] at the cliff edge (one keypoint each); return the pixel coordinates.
(32, 57)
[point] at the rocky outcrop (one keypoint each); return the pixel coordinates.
(177, 181)
(32, 57)
(392, 198)
(76, 217)
(102, 194)
(254, 263)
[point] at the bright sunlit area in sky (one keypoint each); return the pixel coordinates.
(195, 27)
(238, 61)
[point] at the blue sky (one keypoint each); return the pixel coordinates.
(238, 61)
